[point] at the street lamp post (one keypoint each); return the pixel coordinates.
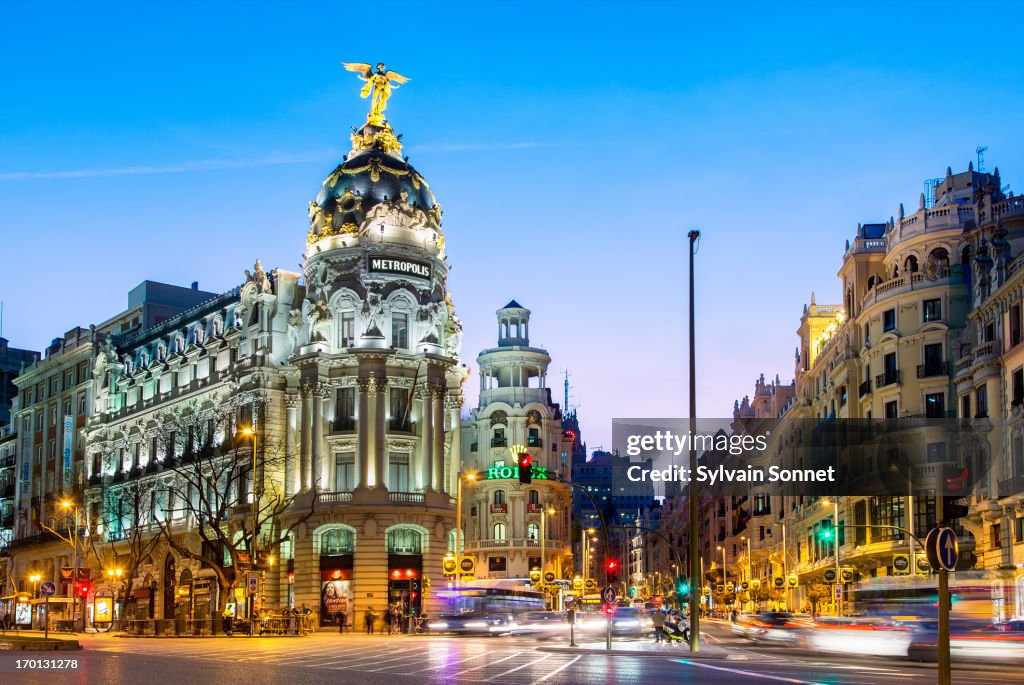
(750, 578)
(458, 523)
(725, 574)
(114, 577)
(543, 526)
(695, 578)
(68, 504)
(251, 431)
(35, 578)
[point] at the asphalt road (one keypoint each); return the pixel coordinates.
(361, 660)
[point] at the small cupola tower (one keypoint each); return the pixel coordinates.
(513, 325)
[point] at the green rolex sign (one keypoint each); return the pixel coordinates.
(505, 472)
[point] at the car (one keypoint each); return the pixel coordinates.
(473, 623)
(780, 627)
(541, 623)
(970, 641)
(744, 624)
(858, 635)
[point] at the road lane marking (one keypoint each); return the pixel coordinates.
(752, 674)
(560, 668)
(475, 668)
(528, 663)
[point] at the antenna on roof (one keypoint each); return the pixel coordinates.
(981, 158)
(565, 406)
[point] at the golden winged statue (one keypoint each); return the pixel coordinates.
(379, 83)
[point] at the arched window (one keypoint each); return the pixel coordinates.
(500, 532)
(941, 258)
(499, 497)
(337, 541)
(452, 534)
(534, 497)
(911, 264)
(533, 531)
(405, 541)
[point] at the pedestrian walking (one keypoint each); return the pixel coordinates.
(342, 619)
(370, 619)
(658, 619)
(389, 620)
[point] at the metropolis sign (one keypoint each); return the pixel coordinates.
(402, 267)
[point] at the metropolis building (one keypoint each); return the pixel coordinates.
(340, 385)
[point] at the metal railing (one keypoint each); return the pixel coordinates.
(887, 378)
(929, 369)
(335, 497)
(405, 497)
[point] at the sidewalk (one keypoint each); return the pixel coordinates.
(33, 640)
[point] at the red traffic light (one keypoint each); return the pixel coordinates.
(609, 609)
(612, 565)
(524, 462)
(83, 589)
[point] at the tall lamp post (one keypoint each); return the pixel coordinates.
(251, 431)
(544, 512)
(725, 574)
(695, 579)
(458, 523)
(35, 578)
(114, 577)
(749, 577)
(73, 539)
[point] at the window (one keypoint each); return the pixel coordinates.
(499, 497)
(1018, 530)
(533, 531)
(499, 437)
(965, 407)
(995, 540)
(932, 310)
(345, 409)
(1014, 324)
(496, 564)
(337, 541)
(762, 504)
(1017, 453)
(398, 471)
(345, 471)
(400, 331)
(400, 410)
(1018, 387)
(936, 452)
(842, 396)
(935, 405)
(81, 404)
(405, 541)
(500, 532)
(886, 511)
(982, 402)
(889, 320)
(989, 333)
(933, 365)
(347, 329)
(533, 439)
(924, 513)
(891, 410)
(889, 371)
(534, 497)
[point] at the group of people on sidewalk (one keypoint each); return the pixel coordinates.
(393, 619)
(669, 622)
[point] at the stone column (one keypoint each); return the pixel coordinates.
(427, 441)
(437, 458)
(292, 481)
(306, 437)
(316, 475)
(380, 442)
(363, 432)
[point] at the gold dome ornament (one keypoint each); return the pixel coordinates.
(377, 87)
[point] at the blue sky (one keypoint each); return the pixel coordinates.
(572, 146)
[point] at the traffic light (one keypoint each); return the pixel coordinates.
(609, 609)
(524, 464)
(83, 588)
(953, 509)
(825, 533)
(612, 567)
(682, 587)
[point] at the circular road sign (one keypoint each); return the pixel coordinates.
(47, 589)
(780, 582)
(608, 595)
(901, 563)
(549, 577)
(830, 575)
(449, 565)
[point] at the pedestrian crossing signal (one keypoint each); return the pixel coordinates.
(524, 464)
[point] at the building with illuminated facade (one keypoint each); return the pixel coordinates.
(319, 409)
(506, 521)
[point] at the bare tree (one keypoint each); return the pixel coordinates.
(214, 489)
(130, 512)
